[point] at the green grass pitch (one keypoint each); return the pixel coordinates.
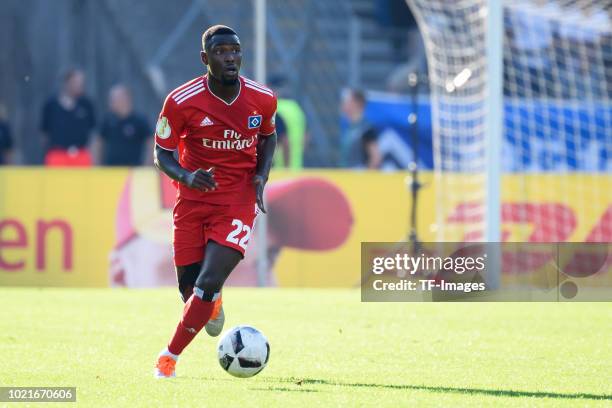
(327, 349)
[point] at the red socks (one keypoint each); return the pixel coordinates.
(196, 314)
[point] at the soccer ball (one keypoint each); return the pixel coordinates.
(243, 351)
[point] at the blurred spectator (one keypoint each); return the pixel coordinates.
(399, 79)
(68, 120)
(396, 19)
(290, 127)
(6, 141)
(360, 141)
(394, 13)
(530, 35)
(294, 120)
(123, 133)
(282, 154)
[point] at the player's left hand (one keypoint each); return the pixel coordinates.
(260, 182)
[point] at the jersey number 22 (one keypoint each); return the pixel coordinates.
(233, 236)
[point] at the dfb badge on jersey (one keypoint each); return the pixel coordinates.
(163, 128)
(254, 121)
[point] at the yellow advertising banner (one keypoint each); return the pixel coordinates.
(57, 225)
(535, 208)
(101, 227)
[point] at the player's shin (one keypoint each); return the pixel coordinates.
(196, 314)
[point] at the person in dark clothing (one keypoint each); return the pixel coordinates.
(6, 140)
(68, 120)
(359, 147)
(282, 139)
(6, 143)
(123, 132)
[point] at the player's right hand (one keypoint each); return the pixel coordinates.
(203, 180)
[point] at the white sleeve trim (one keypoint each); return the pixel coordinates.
(170, 150)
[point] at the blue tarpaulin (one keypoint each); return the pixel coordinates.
(538, 135)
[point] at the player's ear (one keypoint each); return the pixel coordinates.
(204, 57)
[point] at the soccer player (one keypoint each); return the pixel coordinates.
(221, 125)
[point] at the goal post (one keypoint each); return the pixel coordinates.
(521, 91)
(465, 58)
(494, 120)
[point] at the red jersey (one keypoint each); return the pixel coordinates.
(209, 132)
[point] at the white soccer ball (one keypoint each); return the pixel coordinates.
(243, 351)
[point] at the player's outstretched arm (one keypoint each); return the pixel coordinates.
(203, 180)
(265, 153)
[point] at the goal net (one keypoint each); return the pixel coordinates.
(556, 140)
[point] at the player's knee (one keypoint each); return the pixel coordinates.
(209, 283)
(187, 276)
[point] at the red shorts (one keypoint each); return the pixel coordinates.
(196, 222)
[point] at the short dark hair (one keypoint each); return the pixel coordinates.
(358, 96)
(70, 73)
(215, 30)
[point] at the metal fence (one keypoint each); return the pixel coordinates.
(315, 47)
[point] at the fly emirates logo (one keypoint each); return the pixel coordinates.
(232, 140)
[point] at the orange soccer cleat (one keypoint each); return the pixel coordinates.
(217, 319)
(165, 367)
